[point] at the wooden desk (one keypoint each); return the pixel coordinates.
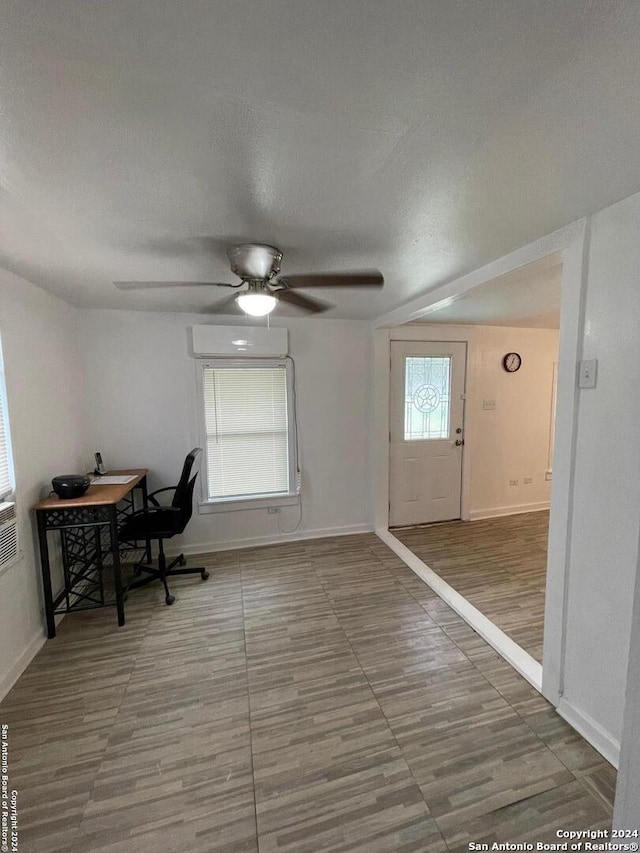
(80, 522)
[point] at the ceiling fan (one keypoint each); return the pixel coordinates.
(257, 265)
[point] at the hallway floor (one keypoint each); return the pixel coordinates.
(313, 696)
(498, 564)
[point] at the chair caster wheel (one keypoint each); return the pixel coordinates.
(182, 561)
(204, 575)
(170, 599)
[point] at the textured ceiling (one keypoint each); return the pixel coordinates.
(528, 297)
(423, 137)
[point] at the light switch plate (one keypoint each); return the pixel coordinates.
(488, 405)
(588, 373)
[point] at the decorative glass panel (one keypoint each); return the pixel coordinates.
(427, 397)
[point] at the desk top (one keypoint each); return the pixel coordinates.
(96, 495)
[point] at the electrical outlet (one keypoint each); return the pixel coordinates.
(273, 510)
(588, 373)
(513, 482)
(528, 480)
(488, 405)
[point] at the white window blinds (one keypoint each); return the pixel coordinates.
(6, 473)
(247, 431)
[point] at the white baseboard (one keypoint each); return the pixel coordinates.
(514, 654)
(516, 509)
(16, 670)
(591, 731)
(271, 539)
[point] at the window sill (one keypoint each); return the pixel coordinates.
(206, 507)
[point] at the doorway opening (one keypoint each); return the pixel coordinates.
(473, 389)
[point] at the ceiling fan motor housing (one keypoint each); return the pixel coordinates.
(255, 261)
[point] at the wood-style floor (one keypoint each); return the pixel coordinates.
(314, 696)
(498, 564)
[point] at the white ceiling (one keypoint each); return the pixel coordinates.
(528, 297)
(422, 137)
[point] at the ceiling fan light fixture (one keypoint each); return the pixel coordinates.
(257, 304)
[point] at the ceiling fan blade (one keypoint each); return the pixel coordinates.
(367, 278)
(148, 285)
(300, 301)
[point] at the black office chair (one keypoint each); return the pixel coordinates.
(163, 522)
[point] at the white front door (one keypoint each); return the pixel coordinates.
(426, 435)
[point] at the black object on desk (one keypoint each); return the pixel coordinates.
(80, 523)
(70, 485)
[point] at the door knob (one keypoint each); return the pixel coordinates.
(459, 442)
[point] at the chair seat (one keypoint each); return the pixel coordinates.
(151, 525)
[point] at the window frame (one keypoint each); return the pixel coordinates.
(4, 405)
(288, 498)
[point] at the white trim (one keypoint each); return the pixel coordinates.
(519, 659)
(575, 267)
(206, 504)
(381, 426)
(516, 509)
(6, 437)
(573, 242)
(591, 731)
(247, 503)
(16, 670)
(552, 418)
(270, 539)
(447, 345)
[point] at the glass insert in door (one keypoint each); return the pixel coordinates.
(427, 397)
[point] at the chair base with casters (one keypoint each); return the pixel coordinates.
(162, 522)
(162, 571)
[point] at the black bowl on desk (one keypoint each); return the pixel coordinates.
(68, 486)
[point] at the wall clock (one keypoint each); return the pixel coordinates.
(512, 362)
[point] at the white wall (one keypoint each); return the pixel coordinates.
(606, 503)
(46, 409)
(627, 810)
(143, 413)
(512, 441)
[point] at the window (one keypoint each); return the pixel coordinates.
(249, 431)
(427, 397)
(7, 483)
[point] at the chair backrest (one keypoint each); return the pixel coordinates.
(186, 508)
(183, 495)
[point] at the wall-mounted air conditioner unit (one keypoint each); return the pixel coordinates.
(241, 341)
(8, 533)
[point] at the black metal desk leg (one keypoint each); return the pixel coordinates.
(117, 577)
(46, 575)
